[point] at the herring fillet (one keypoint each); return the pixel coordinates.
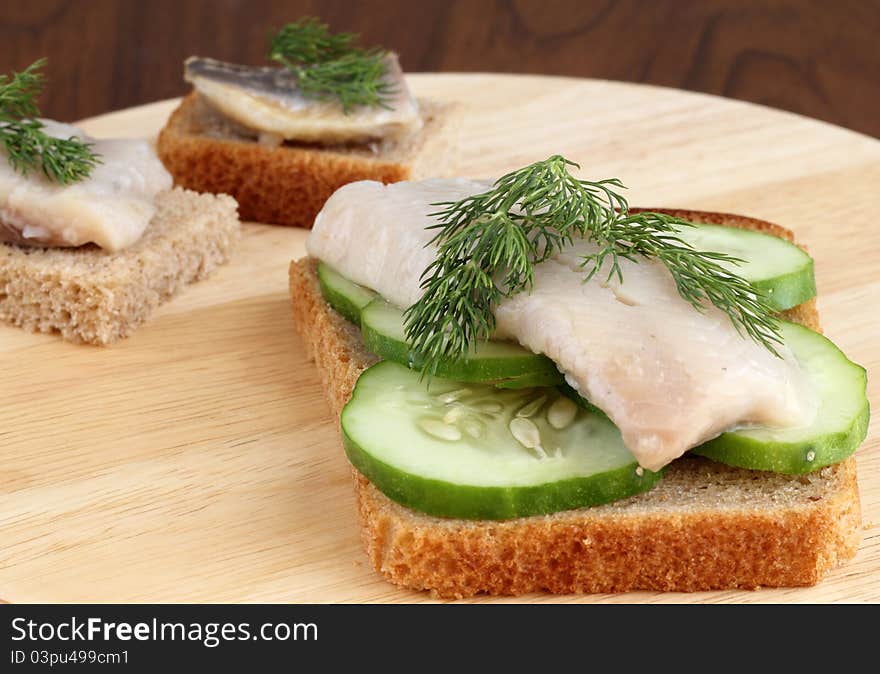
(110, 208)
(267, 100)
(375, 234)
(669, 377)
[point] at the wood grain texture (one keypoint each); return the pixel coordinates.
(814, 57)
(198, 461)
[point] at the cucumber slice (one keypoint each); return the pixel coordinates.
(779, 268)
(452, 450)
(840, 425)
(346, 297)
(502, 363)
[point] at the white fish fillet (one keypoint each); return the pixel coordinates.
(375, 234)
(669, 376)
(110, 208)
(267, 100)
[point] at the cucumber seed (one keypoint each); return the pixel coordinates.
(452, 396)
(561, 413)
(453, 414)
(530, 409)
(473, 427)
(527, 434)
(437, 429)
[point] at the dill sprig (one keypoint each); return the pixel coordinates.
(489, 243)
(309, 41)
(330, 66)
(28, 147)
(699, 276)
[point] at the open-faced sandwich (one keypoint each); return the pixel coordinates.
(282, 139)
(541, 388)
(92, 236)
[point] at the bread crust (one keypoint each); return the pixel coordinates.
(704, 526)
(288, 185)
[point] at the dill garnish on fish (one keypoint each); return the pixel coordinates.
(489, 243)
(330, 66)
(28, 147)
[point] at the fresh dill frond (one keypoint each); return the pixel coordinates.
(330, 66)
(28, 147)
(489, 243)
(19, 93)
(700, 276)
(353, 79)
(309, 41)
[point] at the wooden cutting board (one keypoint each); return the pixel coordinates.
(197, 460)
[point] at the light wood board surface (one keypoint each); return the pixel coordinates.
(197, 460)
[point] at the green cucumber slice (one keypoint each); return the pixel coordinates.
(782, 270)
(452, 450)
(502, 363)
(346, 297)
(840, 425)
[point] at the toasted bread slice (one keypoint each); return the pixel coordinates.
(288, 184)
(94, 296)
(704, 526)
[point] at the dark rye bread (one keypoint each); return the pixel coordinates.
(288, 185)
(704, 526)
(94, 296)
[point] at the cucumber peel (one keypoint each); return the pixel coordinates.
(502, 363)
(346, 297)
(775, 266)
(840, 426)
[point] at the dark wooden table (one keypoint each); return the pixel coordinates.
(816, 57)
